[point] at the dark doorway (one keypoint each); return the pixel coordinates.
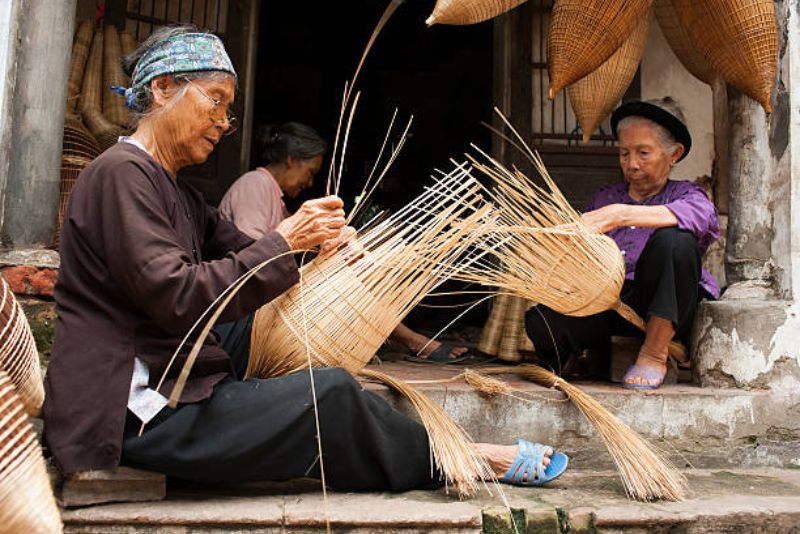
(441, 75)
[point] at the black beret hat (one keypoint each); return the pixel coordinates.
(658, 115)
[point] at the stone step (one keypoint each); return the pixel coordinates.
(695, 427)
(580, 501)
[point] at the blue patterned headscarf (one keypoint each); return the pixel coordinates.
(187, 52)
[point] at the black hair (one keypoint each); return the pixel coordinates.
(280, 142)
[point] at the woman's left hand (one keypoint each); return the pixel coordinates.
(607, 218)
(347, 238)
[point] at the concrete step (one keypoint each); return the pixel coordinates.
(695, 427)
(580, 501)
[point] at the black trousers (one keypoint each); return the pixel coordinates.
(264, 429)
(665, 284)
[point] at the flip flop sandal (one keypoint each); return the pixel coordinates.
(439, 356)
(647, 373)
(530, 463)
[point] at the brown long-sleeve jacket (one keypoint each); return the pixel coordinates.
(142, 256)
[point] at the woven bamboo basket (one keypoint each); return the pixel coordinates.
(594, 96)
(113, 104)
(80, 53)
(680, 42)
(459, 12)
(19, 357)
(79, 150)
(583, 35)
(27, 503)
(739, 39)
(91, 100)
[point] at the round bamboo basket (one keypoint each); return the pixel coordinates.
(594, 96)
(91, 100)
(79, 150)
(460, 12)
(739, 39)
(27, 503)
(583, 35)
(80, 53)
(680, 42)
(19, 357)
(113, 104)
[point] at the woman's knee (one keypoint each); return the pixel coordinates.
(672, 240)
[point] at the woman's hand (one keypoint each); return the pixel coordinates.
(314, 223)
(607, 218)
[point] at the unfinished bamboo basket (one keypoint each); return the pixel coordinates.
(113, 104)
(19, 357)
(27, 503)
(91, 100)
(680, 42)
(594, 96)
(79, 149)
(583, 35)
(738, 38)
(459, 12)
(346, 310)
(80, 53)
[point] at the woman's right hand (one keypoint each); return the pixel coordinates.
(314, 223)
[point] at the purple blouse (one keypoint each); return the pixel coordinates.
(686, 200)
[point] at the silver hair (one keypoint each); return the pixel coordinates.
(143, 96)
(664, 136)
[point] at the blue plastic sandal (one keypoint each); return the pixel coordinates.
(530, 462)
(647, 373)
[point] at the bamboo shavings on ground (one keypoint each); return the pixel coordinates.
(645, 474)
(452, 450)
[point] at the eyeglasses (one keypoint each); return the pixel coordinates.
(218, 114)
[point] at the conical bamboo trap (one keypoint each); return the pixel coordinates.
(79, 150)
(80, 53)
(645, 474)
(680, 42)
(584, 34)
(594, 96)
(738, 38)
(91, 99)
(458, 12)
(113, 104)
(27, 503)
(19, 358)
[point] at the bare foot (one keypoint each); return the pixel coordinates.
(652, 368)
(501, 457)
(416, 342)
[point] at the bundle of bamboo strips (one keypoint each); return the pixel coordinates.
(460, 12)
(645, 474)
(583, 35)
(595, 95)
(19, 358)
(27, 503)
(113, 104)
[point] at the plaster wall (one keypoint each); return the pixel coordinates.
(663, 75)
(8, 75)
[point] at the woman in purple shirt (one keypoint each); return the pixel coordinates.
(662, 227)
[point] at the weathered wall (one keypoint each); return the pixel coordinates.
(663, 75)
(9, 22)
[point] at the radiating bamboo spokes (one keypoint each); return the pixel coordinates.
(680, 42)
(594, 96)
(584, 34)
(738, 38)
(27, 503)
(460, 12)
(19, 357)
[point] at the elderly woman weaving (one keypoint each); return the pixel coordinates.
(142, 256)
(662, 227)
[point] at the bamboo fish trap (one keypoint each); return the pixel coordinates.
(19, 358)
(80, 53)
(680, 42)
(645, 474)
(79, 150)
(27, 503)
(594, 96)
(113, 105)
(739, 38)
(584, 34)
(91, 100)
(459, 12)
